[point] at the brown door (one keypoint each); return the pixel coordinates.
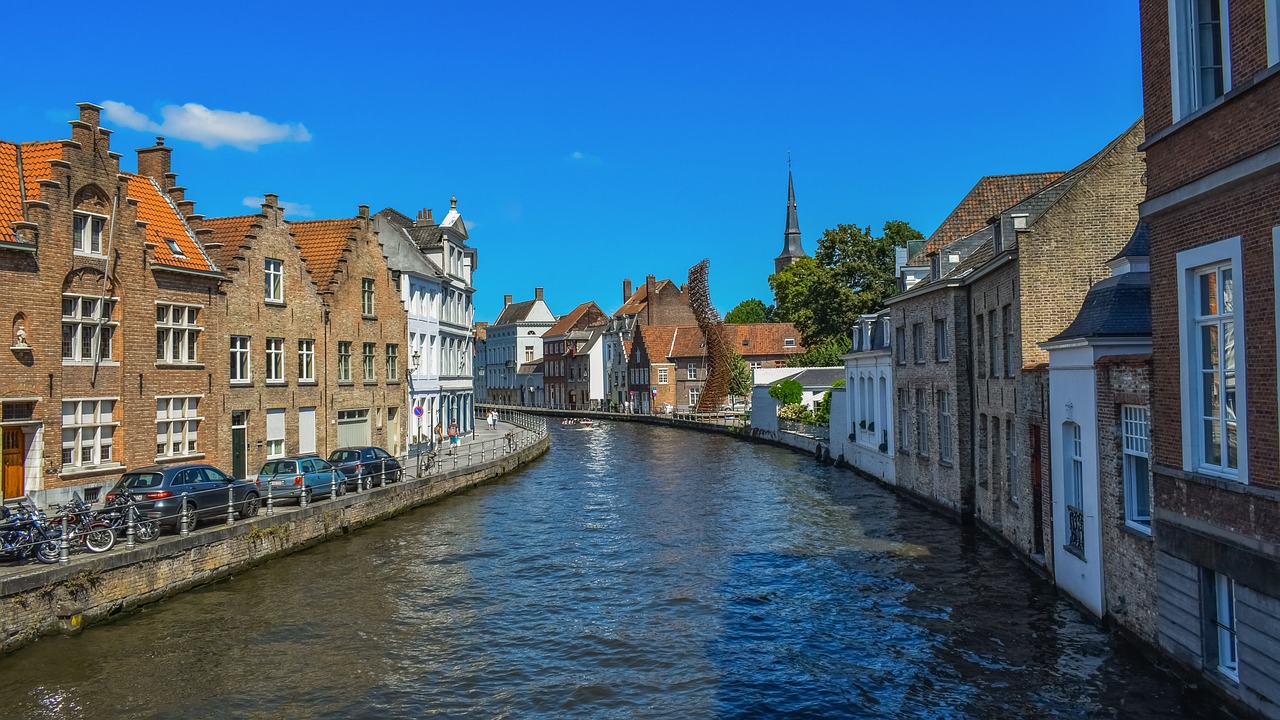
(14, 452)
(1037, 508)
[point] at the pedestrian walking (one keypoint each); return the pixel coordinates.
(439, 432)
(453, 437)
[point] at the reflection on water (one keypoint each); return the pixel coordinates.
(634, 572)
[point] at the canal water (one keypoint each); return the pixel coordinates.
(633, 572)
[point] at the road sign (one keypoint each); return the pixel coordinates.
(418, 411)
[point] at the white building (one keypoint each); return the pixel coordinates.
(434, 267)
(862, 429)
(512, 341)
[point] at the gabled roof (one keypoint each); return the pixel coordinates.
(640, 298)
(657, 340)
(819, 377)
(764, 338)
(515, 312)
(987, 198)
(1118, 306)
(230, 233)
(322, 243)
(165, 223)
(571, 318)
(22, 167)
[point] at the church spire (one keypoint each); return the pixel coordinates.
(792, 249)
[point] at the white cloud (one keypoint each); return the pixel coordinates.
(294, 209)
(578, 157)
(210, 128)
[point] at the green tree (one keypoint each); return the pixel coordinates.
(824, 354)
(787, 392)
(750, 310)
(822, 414)
(851, 273)
(740, 384)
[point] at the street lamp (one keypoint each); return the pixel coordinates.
(415, 362)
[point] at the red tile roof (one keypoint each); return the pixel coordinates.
(636, 303)
(165, 223)
(567, 321)
(992, 194)
(322, 243)
(230, 233)
(657, 340)
(34, 158)
(762, 339)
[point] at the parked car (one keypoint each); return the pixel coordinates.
(159, 491)
(369, 463)
(292, 477)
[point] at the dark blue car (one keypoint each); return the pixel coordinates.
(163, 491)
(375, 465)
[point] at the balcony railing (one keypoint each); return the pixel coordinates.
(815, 431)
(1075, 528)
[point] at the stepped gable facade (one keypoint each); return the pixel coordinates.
(110, 314)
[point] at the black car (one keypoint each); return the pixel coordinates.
(161, 491)
(375, 465)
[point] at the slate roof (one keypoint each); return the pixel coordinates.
(1119, 306)
(1139, 244)
(515, 312)
(230, 232)
(987, 198)
(322, 243)
(819, 377)
(530, 368)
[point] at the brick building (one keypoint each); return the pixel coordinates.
(364, 331)
(656, 302)
(1099, 418)
(761, 345)
(1211, 90)
(933, 355)
(106, 268)
(561, 344)
(650, 373)
(273, 383)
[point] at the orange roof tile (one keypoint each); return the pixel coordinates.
(35, 164)
(569, 319)
(10, 191)
(229, 232)
(322, 243)
(657, 341)
(761, 339)
(640, 298)
(991, 195)
(164, 223)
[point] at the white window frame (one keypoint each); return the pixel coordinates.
(275, 445)
(1135, 451)
(275, 361)
(1184, 59)
(178, 343)
(87, 428)
(788, 342)
(942, 349)
(662, 376)
(178, 422)
(393, 362)
(1225, 629)
(273, 280)
(917, 342)
(241, 371)
(368, 364)
(1190, 264)
(1073, 479)
(1273, 32)
(306, 361)
(945, 446)
(367, 306)
(344, 361)
(692, 372)
(77, 236)
(905, 430)
(88, 328)
(922, 422)
(694, 394)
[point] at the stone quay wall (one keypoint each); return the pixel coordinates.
(44, 599)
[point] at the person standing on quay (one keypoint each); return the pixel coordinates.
(453, 437)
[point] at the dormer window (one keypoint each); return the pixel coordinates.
(788, 342)
(935, 266)
(173, 247)
(87, 237)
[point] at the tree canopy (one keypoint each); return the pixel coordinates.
(851, 273)
(751, 310)
(740, 383)
(824, 354)
(787, 392)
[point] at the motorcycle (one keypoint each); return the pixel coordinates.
(24, 534)
(95, 534)
(120, 508)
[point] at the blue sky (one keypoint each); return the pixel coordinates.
(588, 142)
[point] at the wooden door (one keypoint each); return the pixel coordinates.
(14, 467)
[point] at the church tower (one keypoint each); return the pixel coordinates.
(792, 250)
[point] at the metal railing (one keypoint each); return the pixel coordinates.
(822, 432)
(1075, 528)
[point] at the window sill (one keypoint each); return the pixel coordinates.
(370, 383)
(1075, 551)
(276, 383)
(165, 459)
(241, 383)
(943, 360)
(89, 363)
(945, 463)
(1217, 481)
(1140, 532)
(307, 383)
(91, 471)
(90, 255)
(345, 383)
(273, 303)
(393, 382)
(368, 317)
(178, 366)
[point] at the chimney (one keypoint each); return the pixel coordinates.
(424, 218)
(154, 163)
(626, 289)
(537, 293)
(506, 300)
(649, 282)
